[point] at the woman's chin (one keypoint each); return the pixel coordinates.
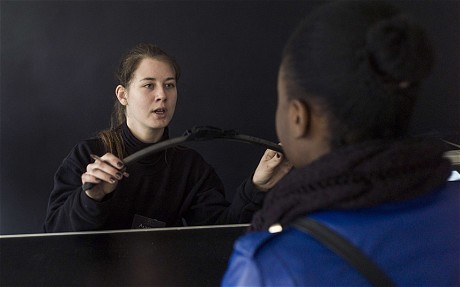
(159, 124)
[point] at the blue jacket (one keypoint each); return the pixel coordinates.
(415, 242)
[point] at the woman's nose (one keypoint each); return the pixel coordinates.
(160, 94)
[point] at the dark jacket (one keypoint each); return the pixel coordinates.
(172, 186)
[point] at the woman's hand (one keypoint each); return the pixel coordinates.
(104, 172)
(272, 167)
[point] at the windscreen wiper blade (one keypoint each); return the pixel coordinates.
(197, 133)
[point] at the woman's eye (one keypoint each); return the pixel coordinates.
(170, 85)
(148, 85)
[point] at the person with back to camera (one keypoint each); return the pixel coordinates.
(164, 189)
(347, 84)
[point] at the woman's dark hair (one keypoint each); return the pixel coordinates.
(361, 62)
(129, 63)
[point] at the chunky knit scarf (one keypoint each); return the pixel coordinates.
(358, 176)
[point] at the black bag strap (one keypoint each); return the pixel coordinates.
(342, 247)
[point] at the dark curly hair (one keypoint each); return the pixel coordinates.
(361, 62)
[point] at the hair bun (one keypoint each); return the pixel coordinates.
(399, 50)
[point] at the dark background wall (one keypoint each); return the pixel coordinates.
(57, 87)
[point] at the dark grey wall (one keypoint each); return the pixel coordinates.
(57, 87)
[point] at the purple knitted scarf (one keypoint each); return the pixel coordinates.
(358, 176)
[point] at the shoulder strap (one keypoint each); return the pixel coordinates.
(342, 247)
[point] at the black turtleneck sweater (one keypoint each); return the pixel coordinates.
(170, 186)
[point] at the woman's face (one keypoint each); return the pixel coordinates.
(282, 114)
(302, 130)
(151, 97)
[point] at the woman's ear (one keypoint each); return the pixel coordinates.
(299, 117)
(121, 93)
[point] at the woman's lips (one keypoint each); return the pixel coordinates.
(160, 112)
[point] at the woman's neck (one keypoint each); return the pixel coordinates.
(146, 135)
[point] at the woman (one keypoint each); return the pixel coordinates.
(169, 188)
(347, 85)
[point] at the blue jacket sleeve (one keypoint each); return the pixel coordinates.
(243, 269)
